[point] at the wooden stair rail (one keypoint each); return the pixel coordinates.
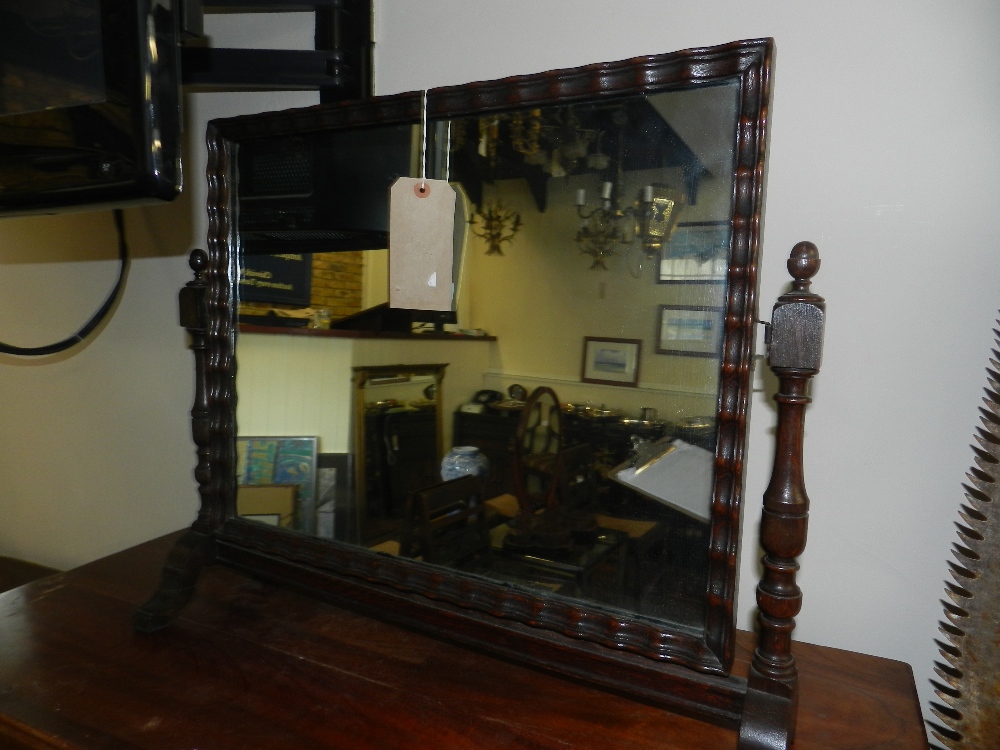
(795, 347)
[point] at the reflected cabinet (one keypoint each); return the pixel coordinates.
(591, 383)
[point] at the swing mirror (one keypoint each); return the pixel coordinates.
(605, 256)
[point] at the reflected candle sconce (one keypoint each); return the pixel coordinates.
(650, 219)
(499, 224)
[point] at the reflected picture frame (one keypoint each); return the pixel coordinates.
(282, 460)
(689, 330)
(610, 361)
(696, 253)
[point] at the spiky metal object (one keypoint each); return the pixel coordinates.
(970, 674)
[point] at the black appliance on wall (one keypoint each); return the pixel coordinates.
(90, 90)
(318, 192)
(89, 104)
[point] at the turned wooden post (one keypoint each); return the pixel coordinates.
(795, 347)
(195, 549)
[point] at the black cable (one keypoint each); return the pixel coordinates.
(98, 317)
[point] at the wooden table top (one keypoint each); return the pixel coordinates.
(250, 666)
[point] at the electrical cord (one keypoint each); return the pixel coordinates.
(96, 319)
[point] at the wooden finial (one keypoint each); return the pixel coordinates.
(803, 264)
(198, 262)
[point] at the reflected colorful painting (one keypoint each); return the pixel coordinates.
(281, 461)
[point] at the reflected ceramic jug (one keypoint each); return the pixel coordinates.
(462, 460)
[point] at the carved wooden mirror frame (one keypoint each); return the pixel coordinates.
(683, 670)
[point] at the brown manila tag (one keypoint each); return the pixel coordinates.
(421, 234)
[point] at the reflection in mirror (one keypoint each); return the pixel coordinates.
(397, 447)
(591, 263)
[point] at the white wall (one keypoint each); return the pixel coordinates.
(883, 152)
(95, 444)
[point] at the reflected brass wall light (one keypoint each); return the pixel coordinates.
(650, 219)
(499, 224)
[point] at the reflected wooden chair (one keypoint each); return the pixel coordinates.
(580, 504)
(537, 441)
(446, 524)
(576, 490)
(449, 526)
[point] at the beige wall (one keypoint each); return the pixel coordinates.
(295, 385)
(301, 385)
(880, 153)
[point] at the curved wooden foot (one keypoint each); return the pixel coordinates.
(767, 722)
(190, 555)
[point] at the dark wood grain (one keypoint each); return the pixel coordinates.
(14, 573)
(250, 665)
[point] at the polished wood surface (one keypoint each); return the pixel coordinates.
(14, 572)
(249, 665)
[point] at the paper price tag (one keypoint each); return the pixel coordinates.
(421, 228)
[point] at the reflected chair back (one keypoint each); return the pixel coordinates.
(447, 524)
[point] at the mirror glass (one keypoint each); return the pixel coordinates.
(591, 252)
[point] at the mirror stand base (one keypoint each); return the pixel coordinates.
(192, 553)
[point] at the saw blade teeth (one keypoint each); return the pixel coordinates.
(947, 672)
(945, 735)
(974, 494)
(986, 439)
(946, 692)
(942, 711)
(971, 515)
(958, 595)
(953, 633)
(976, 473)
(964, 554)
(987, 415)
(984, 459)
(969, 535)
(947, 650)
(955, 614)
(961, 574)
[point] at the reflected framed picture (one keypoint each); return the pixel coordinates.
(611, 361)
(282, 461)
(690, 330)
(697, 253)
